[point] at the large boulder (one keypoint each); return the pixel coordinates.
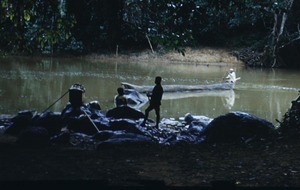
(290, 124)
(52, 121)
(86, 119)
(125, 112)
(127, 125)
(237, 126)
(20, 122)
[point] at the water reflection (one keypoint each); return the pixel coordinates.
(32, 83)
(227, 96)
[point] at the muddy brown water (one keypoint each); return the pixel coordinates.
(36, 83)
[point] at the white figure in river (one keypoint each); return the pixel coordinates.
(231, 77)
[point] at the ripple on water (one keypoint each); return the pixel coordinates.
(247, 86)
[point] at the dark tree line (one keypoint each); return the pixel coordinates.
(84, 26)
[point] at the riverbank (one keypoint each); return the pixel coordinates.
(200, 56)
(268, 164)
(197, 56)
(272, 162)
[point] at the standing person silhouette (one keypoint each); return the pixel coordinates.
(155, 101)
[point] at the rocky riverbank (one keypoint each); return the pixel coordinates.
(272, 162)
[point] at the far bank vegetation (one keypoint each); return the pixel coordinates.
(262, 33)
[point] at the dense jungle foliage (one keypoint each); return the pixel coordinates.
(104, 26)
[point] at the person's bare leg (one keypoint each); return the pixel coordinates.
(157, 111)
(146, 115)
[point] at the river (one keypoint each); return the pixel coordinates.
(36, 83)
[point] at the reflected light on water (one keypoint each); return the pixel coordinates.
(36, 83)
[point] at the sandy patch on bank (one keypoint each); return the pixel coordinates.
(202, 56)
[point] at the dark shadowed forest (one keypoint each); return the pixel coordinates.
(265, 33)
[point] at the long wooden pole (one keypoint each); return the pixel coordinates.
(117, 50)
(91, 121)
(56, 101)
(150, 43)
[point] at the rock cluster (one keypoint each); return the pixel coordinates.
(88, 127)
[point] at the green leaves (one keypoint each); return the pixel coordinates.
(26, 15)
(167, 23)
(53, 26)
(37, 25)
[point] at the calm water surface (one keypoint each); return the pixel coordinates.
(30, 83)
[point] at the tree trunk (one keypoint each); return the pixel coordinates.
(277, 32)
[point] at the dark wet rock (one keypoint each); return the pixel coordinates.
(83, 119)
(125, 112)
(34, 137)
(102, 123)
(235, 126)
(122, 138)
(92, 109)
(71, 111)
(198, 120)
(187, 138)
(183, 138)
(94, 105)
(169, 123)
(196, 124)
(290, 125)
(20, 122)
(80, 125)
(126, 125)
(196, 128)
(92, 127)
(106, 134)
(5, 121)
(51, 121)
(83, 124)
(125, 134)
(27, 113)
